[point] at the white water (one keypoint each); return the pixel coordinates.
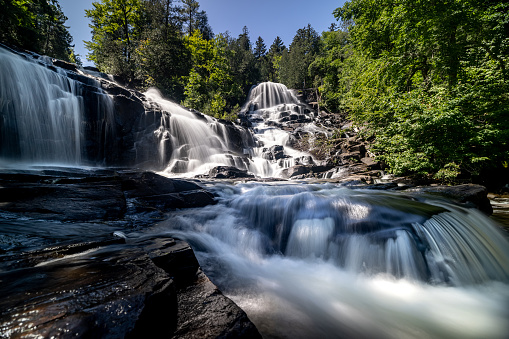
(270, 103)
(308, 261)
(199, 143)
(42, 110)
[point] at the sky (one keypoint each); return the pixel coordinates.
(265, 18)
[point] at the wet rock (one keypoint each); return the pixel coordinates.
(296, 170)
(86, 196)
(228, 172)
(148, 287)
(475, 195)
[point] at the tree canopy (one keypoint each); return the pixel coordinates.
(36, 25)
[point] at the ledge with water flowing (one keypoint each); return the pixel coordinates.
(94, 246)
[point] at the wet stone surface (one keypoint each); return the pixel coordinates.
(75, 262)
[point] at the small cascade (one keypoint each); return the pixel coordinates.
(323, 259)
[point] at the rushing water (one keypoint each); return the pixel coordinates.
(42, 111)
(303, 260)
(309, 260)
(200, 143)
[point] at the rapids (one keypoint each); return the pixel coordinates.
(304, 260)
(322, 260)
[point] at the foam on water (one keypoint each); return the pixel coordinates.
(322, 260)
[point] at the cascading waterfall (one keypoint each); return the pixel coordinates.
(268, 106)
(197, 142)
(42, 109)
(302, 260)
(324, 260)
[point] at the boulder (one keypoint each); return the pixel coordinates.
(228, 172)
(87, 196)
(471, 194)
(147, 287)
(371, 163)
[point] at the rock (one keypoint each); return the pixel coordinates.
(228, 172)
(371, 163)
(296, 170)
(476, 195)
(88, 196)
(149, 287)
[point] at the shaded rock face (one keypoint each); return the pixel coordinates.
(105, 195)
(469, 194)
(63, 274)
(147, 287)
(228, 172)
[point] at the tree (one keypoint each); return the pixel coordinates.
(260, 49)
(429, 81)
(210, 86)
(162, 58)
(242, 62)
(274, 58)
(301, 53)
(37, 25)
(262, 62)
(116, 29)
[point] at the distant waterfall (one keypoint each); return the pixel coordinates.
(41, 110)
(192, 143)
(270, 106)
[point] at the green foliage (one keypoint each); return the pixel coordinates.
(210, 86)
(116, 28)
(274, 60)
(296, 60)
(161, 56)
(427, 79)
(37, 25)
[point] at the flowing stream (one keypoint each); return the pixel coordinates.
(304, 260)
(321, 260)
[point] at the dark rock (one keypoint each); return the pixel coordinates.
(476, 195)
(149, 287)
(65, 65)
(228, 172)
(90, 197)
(371, 163)
(296, 170)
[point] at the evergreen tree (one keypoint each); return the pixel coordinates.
(274, 59)
(260, 49)
(161, 56)
(242, 62)
(261, 59)
(295, 62)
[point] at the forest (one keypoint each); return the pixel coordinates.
(425, 81)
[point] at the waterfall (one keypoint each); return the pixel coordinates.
(325, 260)
(191, 143)
(270, 107)
(41, 109)
(43, 114)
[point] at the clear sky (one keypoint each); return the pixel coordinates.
(265, 18)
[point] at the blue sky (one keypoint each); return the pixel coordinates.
(265, 18)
